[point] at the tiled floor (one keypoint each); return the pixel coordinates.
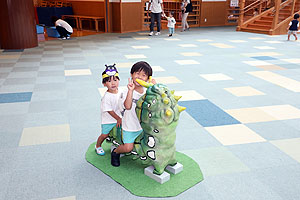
(241, 125)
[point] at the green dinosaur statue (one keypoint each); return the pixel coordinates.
(158, 113)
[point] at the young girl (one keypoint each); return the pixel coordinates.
(171, 23)
(110, 112)
(293, 27)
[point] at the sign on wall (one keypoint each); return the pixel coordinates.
(234, 3)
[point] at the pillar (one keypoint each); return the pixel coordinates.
(17, 24)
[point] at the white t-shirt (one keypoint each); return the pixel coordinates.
(155, 6)
(64, 24)
(109, 102)
(130, 122)
(171, 22)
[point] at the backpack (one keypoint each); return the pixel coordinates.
(189, 7)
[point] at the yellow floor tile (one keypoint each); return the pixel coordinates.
(124, 65)
(277, 79)
(282, 112)
(234, 134)
(244, 91)
(250, 115)
(45, 135)
(221, 45)
(134, 56)
(270, 67)
(167, 80)
(191, 54)
(78, 72)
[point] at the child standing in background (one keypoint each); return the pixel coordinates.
(110, 112)
(293, 27)
(171, 23)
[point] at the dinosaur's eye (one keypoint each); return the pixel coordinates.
(150, 115)
(154, 101)
(148, 105)
(156, 131)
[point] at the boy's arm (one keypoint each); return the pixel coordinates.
(114, 115)
(128, 100)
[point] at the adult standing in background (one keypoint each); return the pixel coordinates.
(156, 7)
(186, 7)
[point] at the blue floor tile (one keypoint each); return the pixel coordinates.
(15, 97)
(13, 50)
(207, 113)
(264, 58)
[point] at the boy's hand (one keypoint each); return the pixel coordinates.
(130, 85)
(153, 81)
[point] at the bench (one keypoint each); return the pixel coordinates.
(80, 18)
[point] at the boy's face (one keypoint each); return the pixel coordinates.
(140, 75)
(112, 84)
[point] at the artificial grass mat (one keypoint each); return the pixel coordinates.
(130, 174)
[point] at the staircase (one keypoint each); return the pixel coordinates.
(263, 23)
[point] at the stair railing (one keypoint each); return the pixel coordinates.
(279, 5)
(251, 10)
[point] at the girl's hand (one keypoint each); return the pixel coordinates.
(130, 85)
(119, 122)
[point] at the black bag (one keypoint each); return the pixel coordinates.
(189, 7)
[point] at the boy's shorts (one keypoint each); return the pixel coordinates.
(292, 32)
(130, 136)
(107, 127)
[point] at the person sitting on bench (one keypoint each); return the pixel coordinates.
(63, 28)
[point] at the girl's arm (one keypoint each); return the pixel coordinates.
(114, 115)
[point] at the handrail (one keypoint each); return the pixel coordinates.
(252, 5)
(279, 6)
(258, 4)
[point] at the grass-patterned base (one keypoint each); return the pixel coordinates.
(131, 174)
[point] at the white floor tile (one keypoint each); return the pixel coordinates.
(215, 77)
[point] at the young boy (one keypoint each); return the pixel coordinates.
(293, 27)
(171, 23)
(110, 112)
(129, 97)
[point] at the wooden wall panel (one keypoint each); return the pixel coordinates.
(17, 24)
(115, 17)
(214, 12)
(89, 8)
(131, 16)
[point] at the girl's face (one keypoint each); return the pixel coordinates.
(170, 15)
(112, 84)
(140, 75)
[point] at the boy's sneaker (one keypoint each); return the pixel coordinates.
(151, 33)
(157, 33)
(170, 35)
(99, 151)
(115, 159)
(68, 37)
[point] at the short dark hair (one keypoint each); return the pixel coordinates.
(142, 66)
(296, 16)
(54, 19)
(172, 13)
